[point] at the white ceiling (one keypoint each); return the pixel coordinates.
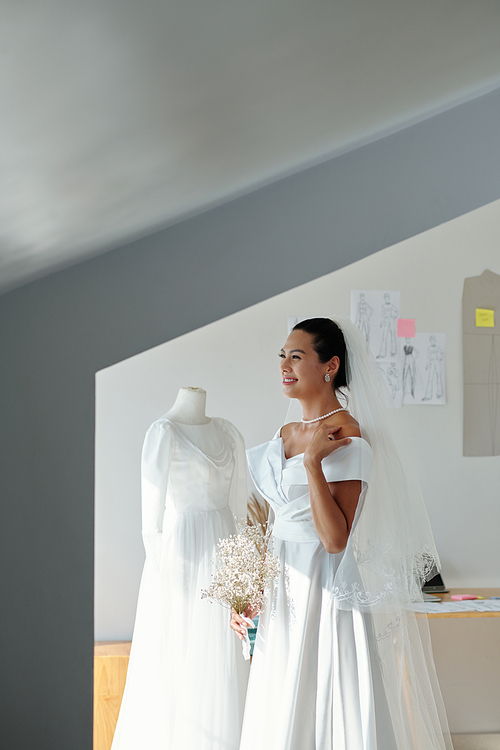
(121, 116)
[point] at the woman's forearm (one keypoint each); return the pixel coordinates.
(331, 523)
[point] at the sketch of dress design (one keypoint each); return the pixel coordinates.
(388, 323)
(186, 678)
(392, 376)
(410, 369)
(433, 366)
(363, 315)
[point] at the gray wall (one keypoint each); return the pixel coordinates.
(55, 334)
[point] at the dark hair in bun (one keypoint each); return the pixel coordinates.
(328, 342)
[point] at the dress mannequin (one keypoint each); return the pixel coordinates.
(186, 681)
(189, 407)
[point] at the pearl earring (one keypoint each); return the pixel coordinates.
(327, 377)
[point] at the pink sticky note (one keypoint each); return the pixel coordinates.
(406, 328)
(462, 597)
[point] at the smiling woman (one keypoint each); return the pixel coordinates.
(313, 373)
(339, 662)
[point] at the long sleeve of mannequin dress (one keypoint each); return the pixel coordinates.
(187, 678)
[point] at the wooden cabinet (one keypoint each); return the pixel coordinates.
(110, 672)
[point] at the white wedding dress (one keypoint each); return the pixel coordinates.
(186, 680)
(315, 683)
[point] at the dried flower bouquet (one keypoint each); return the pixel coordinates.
(245, 568)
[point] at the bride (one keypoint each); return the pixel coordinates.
(341, 662)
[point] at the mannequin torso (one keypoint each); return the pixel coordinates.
(188, 413)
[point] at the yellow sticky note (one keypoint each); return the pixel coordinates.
(485, 318)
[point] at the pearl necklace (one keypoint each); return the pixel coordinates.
(318, 419)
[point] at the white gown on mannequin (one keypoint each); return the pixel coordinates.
(315, 683)
(187, 678)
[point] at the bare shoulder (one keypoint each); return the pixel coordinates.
(350, 430)
(349, 427)
(289, 430)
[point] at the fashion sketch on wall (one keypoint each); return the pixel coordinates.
(389, 314)
(392, 372)
(364, 312)
(376, 315)
(411, 370)
(424, 369)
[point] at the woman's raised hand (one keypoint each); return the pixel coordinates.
(324, 441)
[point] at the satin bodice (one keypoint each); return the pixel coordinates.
(283, 482)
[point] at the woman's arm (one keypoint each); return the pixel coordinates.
(333, 504)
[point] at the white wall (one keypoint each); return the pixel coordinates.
(235, 360)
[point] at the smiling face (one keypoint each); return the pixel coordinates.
(303, 375)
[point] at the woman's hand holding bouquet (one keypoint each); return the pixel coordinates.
(245, 568)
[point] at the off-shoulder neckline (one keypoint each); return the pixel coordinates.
(297, 455)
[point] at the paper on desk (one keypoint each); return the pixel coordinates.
(473, 605)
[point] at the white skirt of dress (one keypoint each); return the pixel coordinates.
(186, 681)
(314, 683)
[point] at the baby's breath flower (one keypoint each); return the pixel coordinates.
(244, 569)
